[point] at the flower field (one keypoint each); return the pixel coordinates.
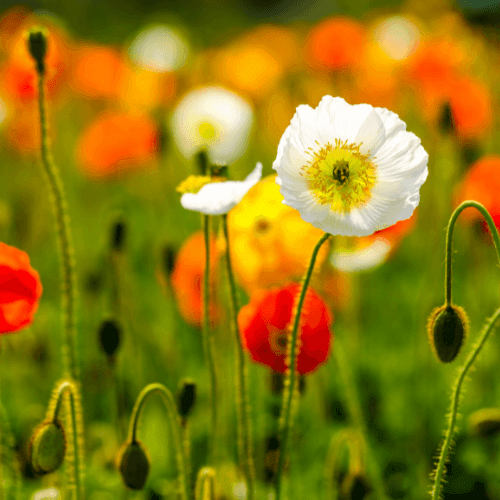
(249, 252)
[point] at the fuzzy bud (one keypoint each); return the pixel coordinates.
(47, 447)
(187, 398)
(109, 336)
(485, 423)
(37, 46)
(133, 463)
(447, 328)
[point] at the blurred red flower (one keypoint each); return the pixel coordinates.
(264, 323)
(188, 277)
(20, 289)
(115, 142)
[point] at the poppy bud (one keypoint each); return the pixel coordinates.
(47, 447)
(485, 423)
(446, 121)
(109, 336)
(168, 259)
(37, 46)
(447, 327)
(133, 464)
(187, 398)
(354, 487)
(118, 233)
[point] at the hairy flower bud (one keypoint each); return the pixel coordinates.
(47, 447)
(447, 327)
(133, 463)
(485, 423)
(37, 46)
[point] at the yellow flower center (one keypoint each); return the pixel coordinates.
(207, 131)
(195, 182)
(340, 176)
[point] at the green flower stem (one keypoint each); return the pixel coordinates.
(74, 431)
(68, 278)
(289, 382)
(245, 450)
(439, 472)
(356, 414)
(175, 424)
(449, 240)
(455, 400)
(208, 340)
(205, 487)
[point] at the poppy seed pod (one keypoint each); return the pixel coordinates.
(447, 327)
(133, 463)
(485, 423)
(110, 334)
(47, 447)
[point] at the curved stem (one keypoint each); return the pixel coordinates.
(245, 450)
(449, 240)
(208, 340)
(438, 475)
(205, 488)
(289, 383)
(68, 278)
(75, 427)
(175, 424)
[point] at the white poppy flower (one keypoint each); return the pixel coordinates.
(213, 118)
(350, 170)
(217, 198)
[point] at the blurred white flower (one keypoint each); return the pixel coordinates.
(240, 491)
(350, 170)
(159, 49)
(213, 118)
(398, 37)
(217, 198)
(361, 259)
(47, 494)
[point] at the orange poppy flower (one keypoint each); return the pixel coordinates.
(481, 183)
(188, 277)
(116, 142)
(335, 43)
(97, 71)
(264, 323)
(20, 289)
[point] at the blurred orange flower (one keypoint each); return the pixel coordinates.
(188, 277)
(335, 43)
(97, 70)
(481, 183)
(20, 289)
(116, 142)
(270, 243)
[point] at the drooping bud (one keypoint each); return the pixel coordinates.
(447, 328)
(37, 46)
(485, 423)
(446, 120)
(186, 398)
(354, 487)
(47, 447)
(110, 334)
(118, 233)
(133, 463)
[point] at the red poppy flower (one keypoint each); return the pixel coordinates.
(20, 289)
(264, 323)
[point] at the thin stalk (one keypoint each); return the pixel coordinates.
(175, 425)
(289, 383)
(449, 240)
(208, 340)
(455, 400)
(245, 450)
(59, 205)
